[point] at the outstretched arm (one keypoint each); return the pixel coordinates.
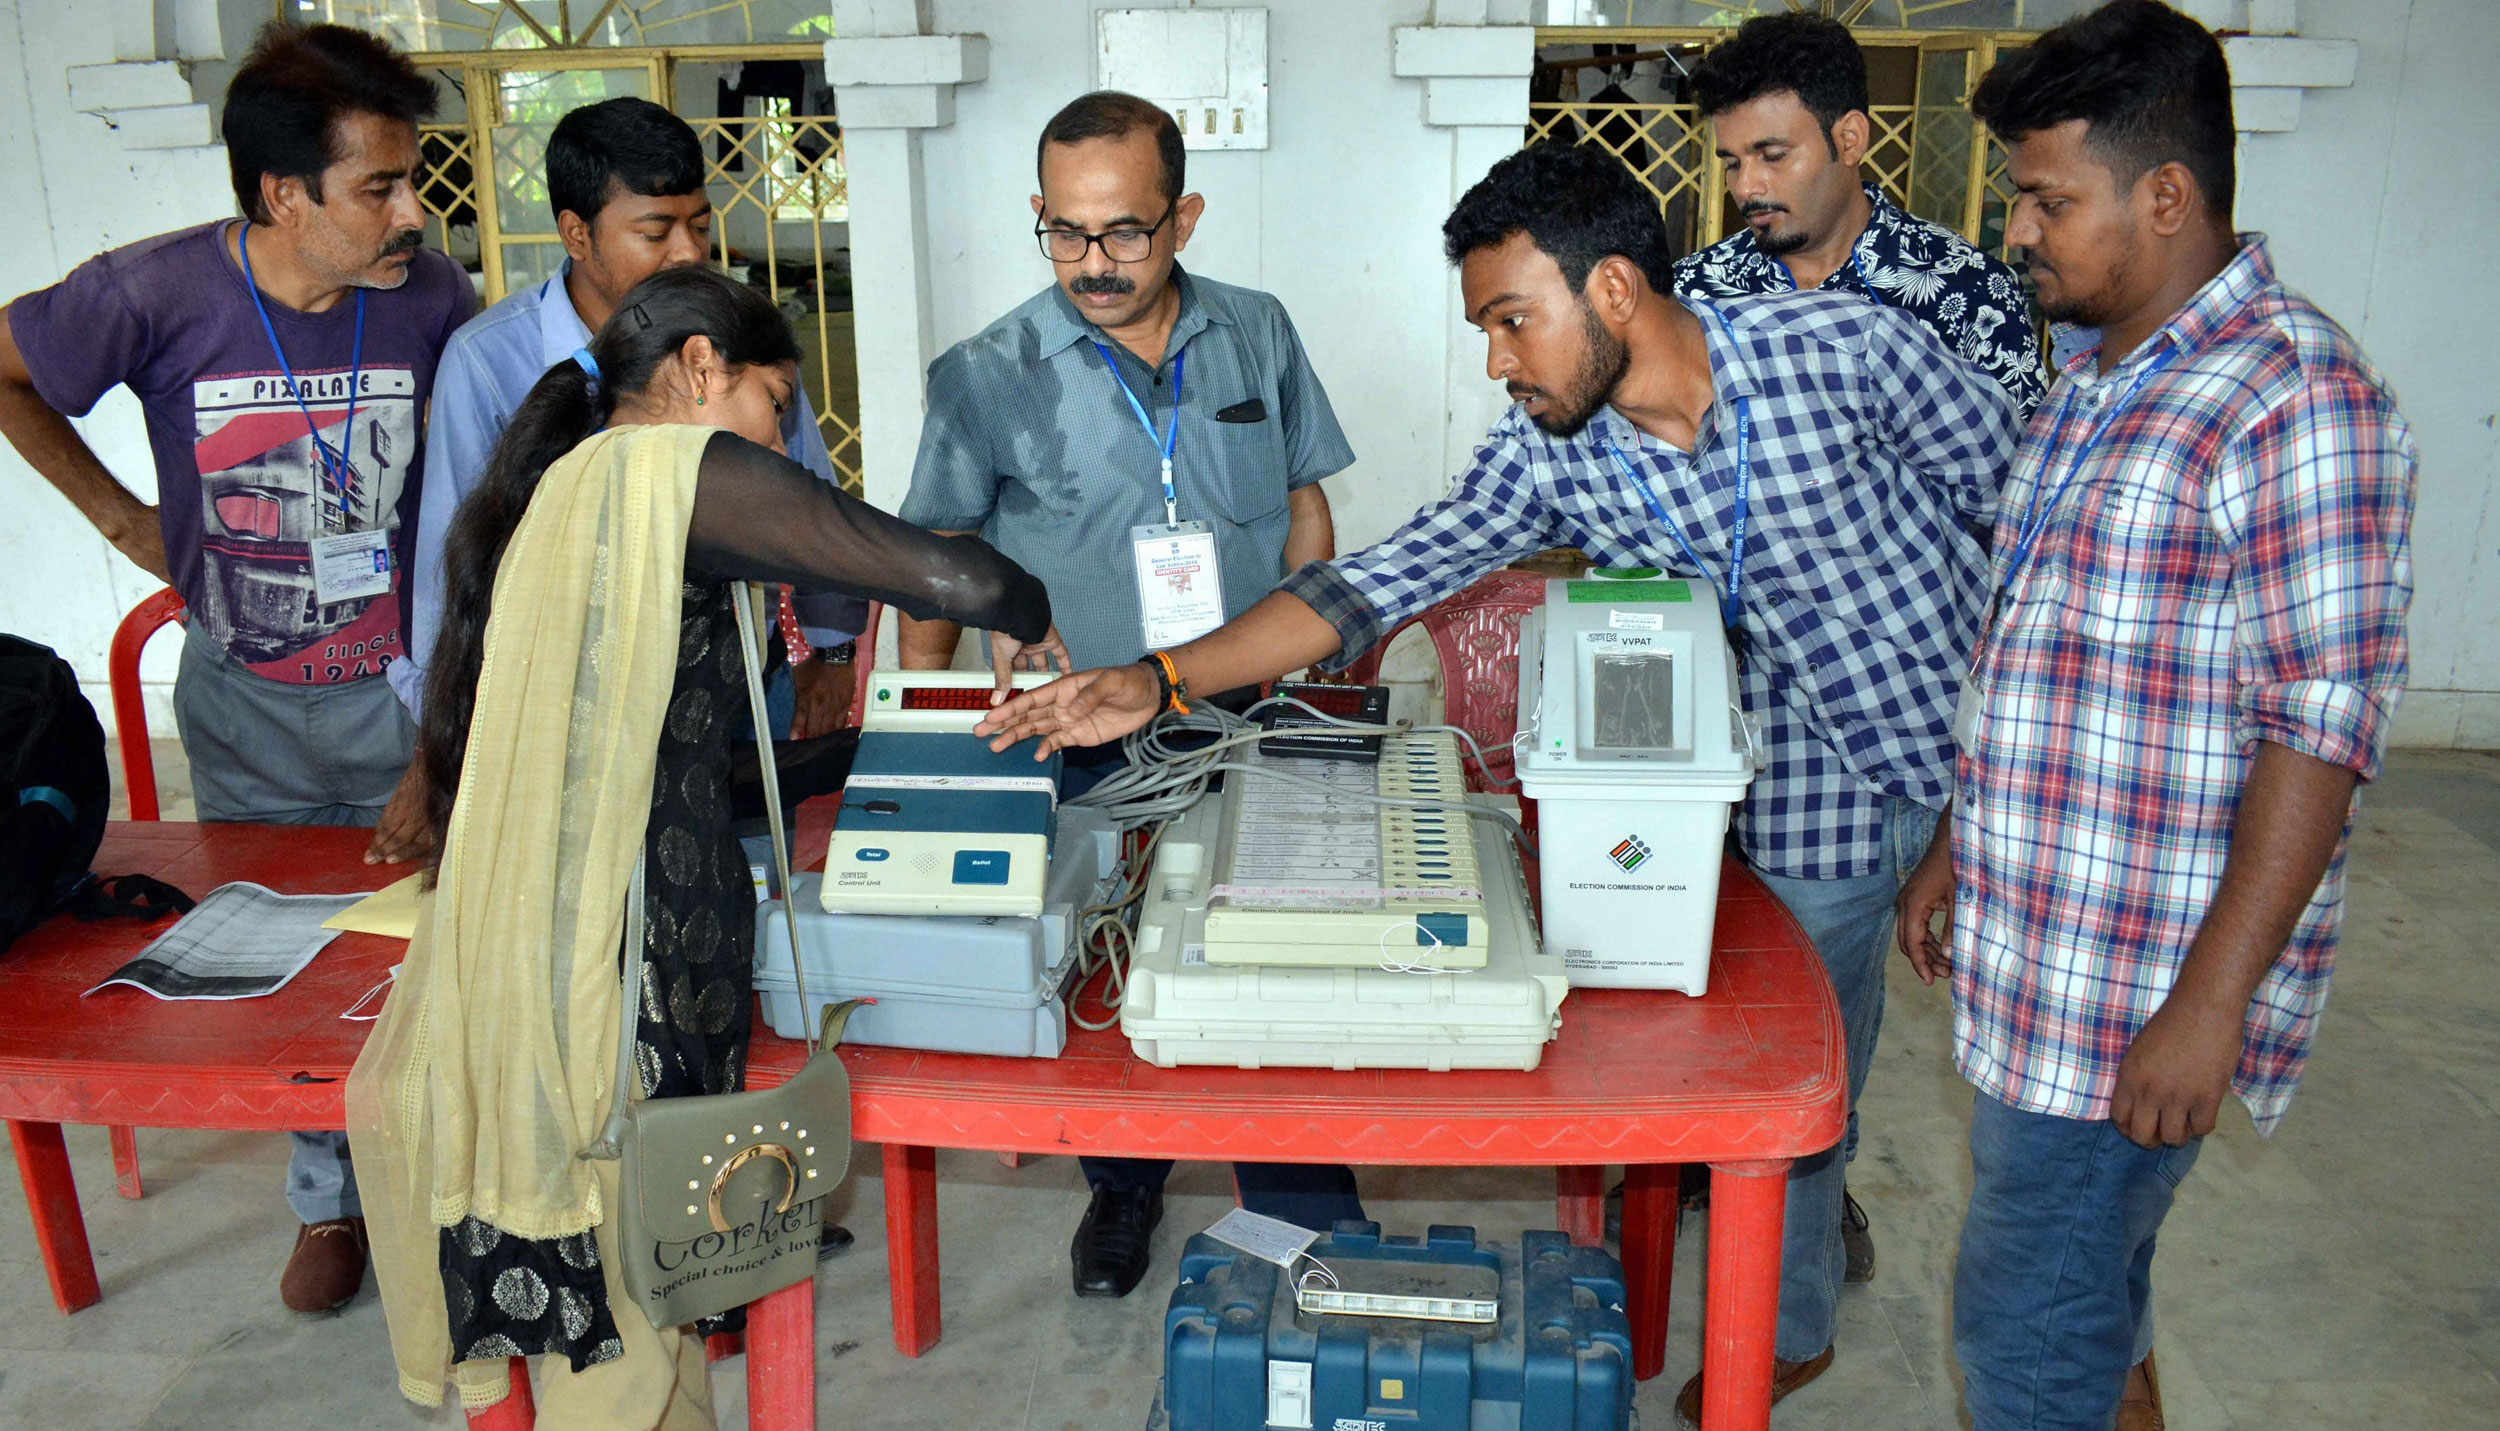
(1280, 634)
(760, 517)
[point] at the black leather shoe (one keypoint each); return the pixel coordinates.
(1115, 1241)
(1857, 1241)
(836, 1240)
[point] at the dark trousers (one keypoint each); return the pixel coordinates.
(1313, 1195)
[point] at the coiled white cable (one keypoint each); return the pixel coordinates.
(1164, 777)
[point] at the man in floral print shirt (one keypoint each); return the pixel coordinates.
(1786, 100)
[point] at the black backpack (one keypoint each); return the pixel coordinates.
(54, 787)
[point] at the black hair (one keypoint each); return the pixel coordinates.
(1578, 204)
(1109, 114)
(1811, 56)
(640, 145)
(565, 407)
(2149, 83)
(284, 105)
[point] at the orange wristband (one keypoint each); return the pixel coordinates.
(1176, 690)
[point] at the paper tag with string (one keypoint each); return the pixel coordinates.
(356, 1011)
(1270, 1239)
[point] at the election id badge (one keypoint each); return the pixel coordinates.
(350, 566)
(1966, 714)
(1180, 589)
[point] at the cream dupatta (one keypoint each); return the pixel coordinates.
(488, 1071)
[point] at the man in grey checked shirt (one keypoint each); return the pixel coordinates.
(1873, 450)
(1046, 434)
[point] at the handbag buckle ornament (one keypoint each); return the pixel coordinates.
(744, 1156)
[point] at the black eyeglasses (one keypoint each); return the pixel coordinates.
(1119, 245)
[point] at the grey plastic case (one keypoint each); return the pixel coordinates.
(990, 984)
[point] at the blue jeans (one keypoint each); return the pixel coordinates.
(2052, 1300)
(1851, 924)
(1313, 1195)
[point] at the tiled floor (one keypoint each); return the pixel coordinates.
(2344, 1274)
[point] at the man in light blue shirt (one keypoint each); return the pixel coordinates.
(626, 180)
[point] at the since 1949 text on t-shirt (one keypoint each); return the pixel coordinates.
(242, 490)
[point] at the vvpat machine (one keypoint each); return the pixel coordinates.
(1636, 747)
(933, 822)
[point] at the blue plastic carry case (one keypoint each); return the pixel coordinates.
(1239, 1355)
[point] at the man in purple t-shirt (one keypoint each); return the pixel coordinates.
(284, 362)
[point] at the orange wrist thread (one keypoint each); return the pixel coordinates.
(1172, 680)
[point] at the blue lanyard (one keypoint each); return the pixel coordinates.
(1164, 441)
(1731, 607)
(1744, 490)
(334, 463)
(2036, 519)
(1863, 281)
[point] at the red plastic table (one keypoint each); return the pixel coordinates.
(126, 1058)
(1745, 1079)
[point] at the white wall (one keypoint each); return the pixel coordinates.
(75, 193)
(2384, 207)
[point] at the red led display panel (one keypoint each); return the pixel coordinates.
(1345, 702)
(946, 698)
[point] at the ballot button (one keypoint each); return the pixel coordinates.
(981, 866)
(872, 855)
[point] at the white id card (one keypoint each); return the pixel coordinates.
(1179, 587)
(350, 566)
(1966, 715)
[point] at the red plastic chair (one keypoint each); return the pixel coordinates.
(1475, 632)
(130, 722)
(130, 713)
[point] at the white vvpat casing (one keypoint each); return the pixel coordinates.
(1636, 750)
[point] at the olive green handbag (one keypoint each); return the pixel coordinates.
(720, 1197)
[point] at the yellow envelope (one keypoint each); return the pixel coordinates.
(391, 912)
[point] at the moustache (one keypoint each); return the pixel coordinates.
(405, 241)
(1760, 206)
(1106, 283)
(1522, 394)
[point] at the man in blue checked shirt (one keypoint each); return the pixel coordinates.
(1872, 451)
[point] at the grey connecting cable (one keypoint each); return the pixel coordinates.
(1163, 778)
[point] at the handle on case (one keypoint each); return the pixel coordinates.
(836, 1017)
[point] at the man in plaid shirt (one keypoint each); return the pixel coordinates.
(2198, 648)
(1854, 451)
